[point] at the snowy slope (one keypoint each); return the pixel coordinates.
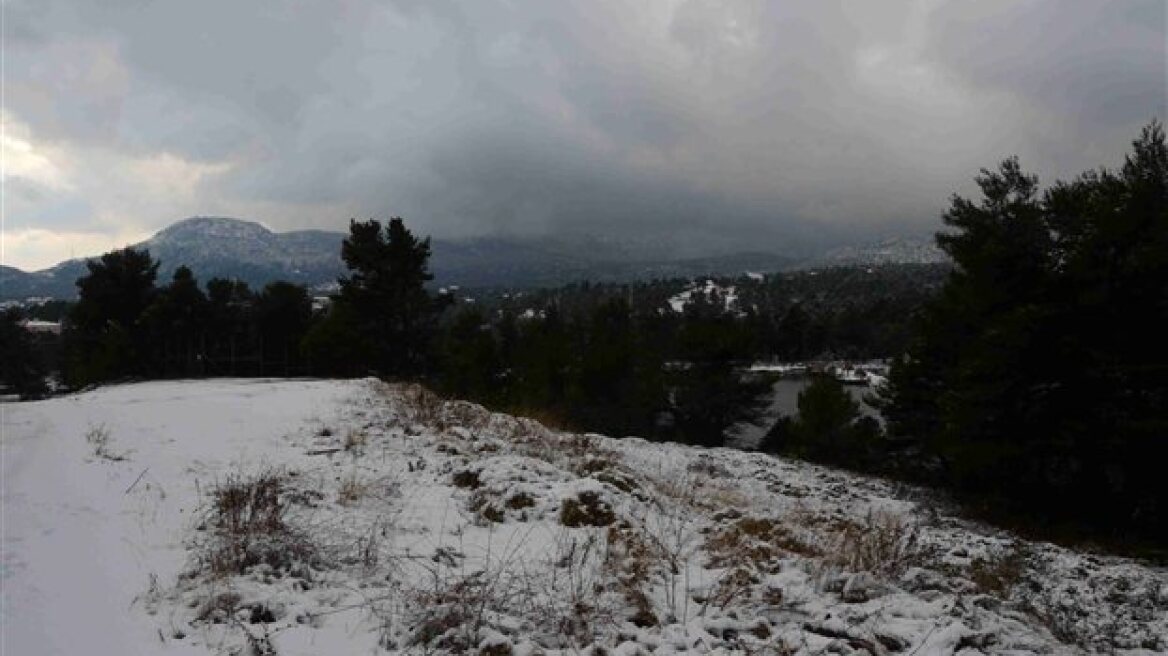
(79, 550)
(408, 524)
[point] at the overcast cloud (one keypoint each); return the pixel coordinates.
(762, 124)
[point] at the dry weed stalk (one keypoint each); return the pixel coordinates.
(883, 544)
(246, 525)
(99, 438)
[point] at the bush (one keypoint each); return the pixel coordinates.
(1039, 375)
(247, 526)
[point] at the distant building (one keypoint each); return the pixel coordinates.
(42, 327)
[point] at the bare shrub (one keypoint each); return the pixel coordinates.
(99, 438)
(671, 533)
(734, 584)
(520, 501)
(459, 607)
(630, 559)
(679, 486)
(575, 600)
(999, 574)
(421, 405)
(351, 489)
(883, 543)
(467, 478)
(485, 506)
(247, 526)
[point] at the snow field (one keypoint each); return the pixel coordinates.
(325, 517)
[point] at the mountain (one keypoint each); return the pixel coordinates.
(892, 250)
(57, 282)
(232, 248)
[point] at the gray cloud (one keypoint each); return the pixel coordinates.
(761, 123)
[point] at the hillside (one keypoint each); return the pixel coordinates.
(325, 517)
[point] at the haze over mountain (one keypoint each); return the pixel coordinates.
(234, 248)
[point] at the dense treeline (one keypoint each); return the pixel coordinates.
(1037, 380)
(614, 369)
(26, 358)
(124, 325)
(852, 312)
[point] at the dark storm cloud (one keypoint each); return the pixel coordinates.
(758, 122)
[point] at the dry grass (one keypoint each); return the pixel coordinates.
(355, 440)
(420, 405)
(760, 543)
(486, 507)
(630, 559)
(998, 575)
(99, 438)
(470, 416)
(245, 525)
(352, 488)
(882, 543)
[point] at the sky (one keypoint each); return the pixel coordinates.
(764, 125)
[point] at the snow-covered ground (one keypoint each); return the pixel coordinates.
(709, 289)
(403, 523)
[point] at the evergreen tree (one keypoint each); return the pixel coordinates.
(21, 368)
(336, 344)
(828, 427)
(283, 315)
(709, 393)
(175, 323)
(105, 337)
(543, 364)
(1040, 373)
(386, 295)
(471, 365)
(231, 348)
(619, 388)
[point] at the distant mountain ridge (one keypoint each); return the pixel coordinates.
(892, 250)
(246, 250)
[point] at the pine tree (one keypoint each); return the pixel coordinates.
(385, 292)
(1040, 373)
(283, 315)
(471, 365)
(175, 323)
(105, 337)
(709, 392)
(22, 369)
(829, 427)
